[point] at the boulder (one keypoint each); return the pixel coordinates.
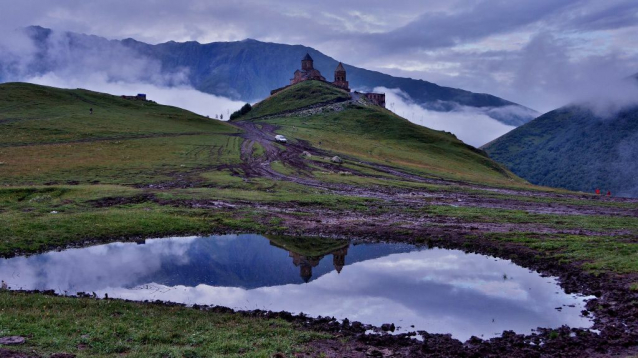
(336, 159)
(305, 154)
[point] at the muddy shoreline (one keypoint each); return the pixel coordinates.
(614, 312)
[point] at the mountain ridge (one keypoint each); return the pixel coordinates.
(248, 69)
(574, 148)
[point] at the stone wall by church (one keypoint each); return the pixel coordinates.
(376, 98)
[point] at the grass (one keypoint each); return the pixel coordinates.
(31, 114)
(282, 168)
(48, 136)
(594, 253)
(106, 328)
(376, 135)
(36, 218)
(301, 95)
(136, 161)
(258, 150)
(487, 215)
(40, 230)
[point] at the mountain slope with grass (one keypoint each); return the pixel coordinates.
(249, 69)
(574, 148)
(350, 170)
(48, 135)
(366, 132)
(59, 156)
(305, 94)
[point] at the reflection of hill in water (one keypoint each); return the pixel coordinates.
(252, 261)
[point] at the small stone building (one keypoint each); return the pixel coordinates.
(376, 98)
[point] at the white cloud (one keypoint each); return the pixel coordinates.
(471, 125)
(181, 96)
(77, 61)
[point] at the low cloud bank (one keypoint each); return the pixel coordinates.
(471, 125)
(610, 97)
(67, 60)
(180, 96)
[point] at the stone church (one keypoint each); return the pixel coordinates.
(309, 73)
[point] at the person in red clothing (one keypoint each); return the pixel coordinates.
(597, 191)
(609, 193)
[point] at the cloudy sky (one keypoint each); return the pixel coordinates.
(540, 53)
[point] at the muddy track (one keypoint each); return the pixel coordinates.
(261, 166)
(291, 156)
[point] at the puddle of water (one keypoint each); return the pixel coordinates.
(436, 290)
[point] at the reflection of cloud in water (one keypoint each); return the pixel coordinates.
(442, 291)
(93, 267)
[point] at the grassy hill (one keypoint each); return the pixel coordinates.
(372, 133)
(56, 156)
(304, 94)
(573, 148)
(47, 135)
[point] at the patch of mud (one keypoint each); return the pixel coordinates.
(122, 200)
(5, 353)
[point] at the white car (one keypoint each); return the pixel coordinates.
(280, 139)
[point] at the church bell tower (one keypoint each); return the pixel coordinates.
(306, 63)
(340, 77)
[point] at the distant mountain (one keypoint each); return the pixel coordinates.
(576, 149)
(249, 69)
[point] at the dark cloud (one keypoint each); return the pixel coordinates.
(535, 52)
(432, 30)
(613, 15)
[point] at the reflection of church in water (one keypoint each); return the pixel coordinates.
(307, 263)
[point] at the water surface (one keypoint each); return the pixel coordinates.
(437, 290)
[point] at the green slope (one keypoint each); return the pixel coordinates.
(48, 135)
(304, 94)
(372, 133)
(573, 148)
(56, 156)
